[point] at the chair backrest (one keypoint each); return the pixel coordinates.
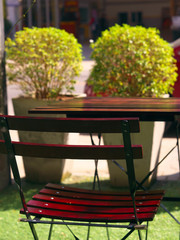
(81, 125)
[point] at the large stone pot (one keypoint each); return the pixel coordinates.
(40, 170)
(150, 137)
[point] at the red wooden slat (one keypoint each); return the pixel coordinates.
(88, 216)
(89, 209)
(97, 197)
(71, 151)
(80, 190)
(51, 198)
(84, 125)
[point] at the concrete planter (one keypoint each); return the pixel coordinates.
(40, 170)
(150, 138)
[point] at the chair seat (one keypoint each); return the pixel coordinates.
(66, 203)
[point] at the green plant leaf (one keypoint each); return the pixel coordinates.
(132, 61)
(43, 61)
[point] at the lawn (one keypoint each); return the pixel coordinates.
(162, 228)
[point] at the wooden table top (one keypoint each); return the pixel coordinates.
(147, 109)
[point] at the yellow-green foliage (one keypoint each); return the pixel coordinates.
(132, 61)
(43, 61)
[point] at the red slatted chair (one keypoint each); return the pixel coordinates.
(58, 204)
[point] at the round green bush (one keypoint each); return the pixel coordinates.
(43, 61)
(132, 61)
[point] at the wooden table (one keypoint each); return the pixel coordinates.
(147, 109)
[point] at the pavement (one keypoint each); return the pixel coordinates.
(168, 170)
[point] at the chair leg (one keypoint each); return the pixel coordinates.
(88, 233)
(107, 232)
(127, 235)
(50, 230)
(76, 238)
(147, 231)
(139, 234)
(177, 137)
(33, 230)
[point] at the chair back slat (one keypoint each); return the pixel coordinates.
(70, 152)
(80, 125)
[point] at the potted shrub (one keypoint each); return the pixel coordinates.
(133, 62)
(44, 63)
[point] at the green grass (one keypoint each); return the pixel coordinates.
(162, 228)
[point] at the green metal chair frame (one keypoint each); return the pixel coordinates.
(74, 206)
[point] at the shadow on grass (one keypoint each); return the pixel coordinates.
(10, 198)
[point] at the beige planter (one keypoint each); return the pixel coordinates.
(40, 170)
(150, 138)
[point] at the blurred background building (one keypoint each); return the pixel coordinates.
(87, 18)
